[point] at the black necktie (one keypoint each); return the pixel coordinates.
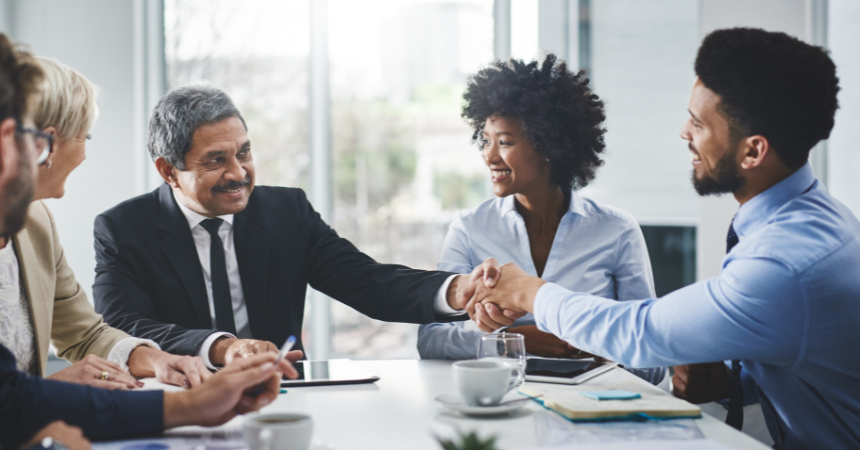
(220, 284)
(735, 417)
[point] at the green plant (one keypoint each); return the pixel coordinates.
(469, 441)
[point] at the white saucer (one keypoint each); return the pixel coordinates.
(454, 402)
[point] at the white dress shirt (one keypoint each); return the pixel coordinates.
(597, 249)
(203, 241)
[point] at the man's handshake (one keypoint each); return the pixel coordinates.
(493, 295)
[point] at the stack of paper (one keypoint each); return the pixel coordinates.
(567, 401)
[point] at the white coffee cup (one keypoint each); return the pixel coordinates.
(483, 382)
(279, 431)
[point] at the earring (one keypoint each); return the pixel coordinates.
(49, 165)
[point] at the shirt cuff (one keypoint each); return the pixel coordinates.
(547, 302)
(441, 305)
(207, 343)
(121, 351)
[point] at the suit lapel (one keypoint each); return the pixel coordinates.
(252, 254)
(178, 245)
(35, 289)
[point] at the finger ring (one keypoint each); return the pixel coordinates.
(105, 375)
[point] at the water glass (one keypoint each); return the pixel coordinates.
(509, 348)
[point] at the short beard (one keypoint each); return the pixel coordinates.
(18, 197)
(725, 179)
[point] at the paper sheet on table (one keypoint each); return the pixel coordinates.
(225, 437)
(552, 429)
(698, 444)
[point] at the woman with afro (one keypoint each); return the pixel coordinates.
(540, 132)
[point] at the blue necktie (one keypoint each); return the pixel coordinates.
(735, 417)
(220, 284)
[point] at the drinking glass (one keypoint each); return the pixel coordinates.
(509, 348)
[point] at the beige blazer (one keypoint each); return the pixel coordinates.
(62, 315)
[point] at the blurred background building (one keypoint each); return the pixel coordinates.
(359, 103)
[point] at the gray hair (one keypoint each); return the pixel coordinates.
(180, 113)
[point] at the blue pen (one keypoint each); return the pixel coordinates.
(291, 341)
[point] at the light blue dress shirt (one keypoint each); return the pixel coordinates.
(597, 249)
(787, 304)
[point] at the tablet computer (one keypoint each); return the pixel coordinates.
(327, 373)
(565, 371)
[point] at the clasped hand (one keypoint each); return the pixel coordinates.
(494, 295)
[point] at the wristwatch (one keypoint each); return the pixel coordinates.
(48, 443)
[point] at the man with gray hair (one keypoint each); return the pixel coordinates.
(209, 264)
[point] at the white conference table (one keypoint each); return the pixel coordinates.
(399, 411)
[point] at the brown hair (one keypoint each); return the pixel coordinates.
(20, 80)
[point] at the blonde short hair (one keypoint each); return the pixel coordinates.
(68, 100)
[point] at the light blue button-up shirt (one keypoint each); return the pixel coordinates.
(787, 303)
(597, 249)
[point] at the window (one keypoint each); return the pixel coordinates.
(844, 159)
(257, 51)
(403, 161)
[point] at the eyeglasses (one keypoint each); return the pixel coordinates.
(44, 142)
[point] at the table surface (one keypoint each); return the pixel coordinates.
(400, 409)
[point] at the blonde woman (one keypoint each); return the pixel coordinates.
(42, 300)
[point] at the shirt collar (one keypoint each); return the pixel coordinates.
(577, 205)
(758, 210)
(194, 218)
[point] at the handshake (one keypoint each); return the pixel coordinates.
(494, 295)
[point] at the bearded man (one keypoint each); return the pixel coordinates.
(786, 306)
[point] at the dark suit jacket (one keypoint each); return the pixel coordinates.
(149, 282)
(28, 404)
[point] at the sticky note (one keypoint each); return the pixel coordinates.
(611, 395)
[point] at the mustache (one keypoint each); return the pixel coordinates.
(690, 146)
(229, 186)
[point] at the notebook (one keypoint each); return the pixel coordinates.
(567, 401)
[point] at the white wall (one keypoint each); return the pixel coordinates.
(95, 37)
(641, 59)
(844, 145)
